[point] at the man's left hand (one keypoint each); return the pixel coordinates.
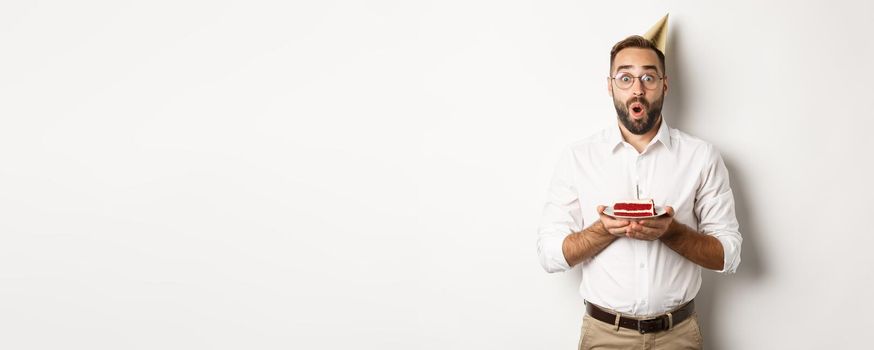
(651, 229)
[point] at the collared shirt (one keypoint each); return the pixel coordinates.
(637, 277)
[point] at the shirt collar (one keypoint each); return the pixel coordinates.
(664, 134)
(614, 136)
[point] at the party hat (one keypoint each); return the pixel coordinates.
(658, 34)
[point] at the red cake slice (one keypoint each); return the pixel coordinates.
(634, 208)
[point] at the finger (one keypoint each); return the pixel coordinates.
(635, 228)
(644, 233)
(607, 219)
(670, 211)
(613, 230)
(613, 223)
(618, 231)
(655, 223)
(649, 233)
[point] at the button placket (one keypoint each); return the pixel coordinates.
(635, 190)
(642, 186)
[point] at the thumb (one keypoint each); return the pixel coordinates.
(601, 209)
(669, 210)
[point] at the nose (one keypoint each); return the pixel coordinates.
(637, 87)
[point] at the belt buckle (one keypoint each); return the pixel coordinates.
(660, 321)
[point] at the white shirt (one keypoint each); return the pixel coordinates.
(636, 277)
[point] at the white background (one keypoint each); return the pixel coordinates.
(351, 174)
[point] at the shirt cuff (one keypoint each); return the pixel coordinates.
(551, 254)
(731, 254)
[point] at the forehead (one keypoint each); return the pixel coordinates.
(636, 57)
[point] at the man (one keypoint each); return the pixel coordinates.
(639, 277)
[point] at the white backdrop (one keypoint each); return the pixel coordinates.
(345, 174)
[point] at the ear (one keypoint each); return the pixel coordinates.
(609, 87)
(665, 82)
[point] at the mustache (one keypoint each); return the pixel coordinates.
(640, 100)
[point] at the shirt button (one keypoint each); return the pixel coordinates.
(642, 265)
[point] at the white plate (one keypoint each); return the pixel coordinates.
(659, 212)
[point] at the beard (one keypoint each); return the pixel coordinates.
(653, 111)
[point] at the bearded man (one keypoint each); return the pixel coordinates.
(640, 276)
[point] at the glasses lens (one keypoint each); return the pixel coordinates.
(624, 80)
(649, 81)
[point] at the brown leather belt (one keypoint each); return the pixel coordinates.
(655, 324)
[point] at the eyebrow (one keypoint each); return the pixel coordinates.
(627, 66)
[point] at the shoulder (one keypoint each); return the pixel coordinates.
(592, 142)
(698, 154)
(693, 146)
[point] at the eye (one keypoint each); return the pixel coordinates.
(624, 78)
(648, 78)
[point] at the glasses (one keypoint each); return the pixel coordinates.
(624, 81)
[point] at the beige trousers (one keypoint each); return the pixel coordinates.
(600, 335)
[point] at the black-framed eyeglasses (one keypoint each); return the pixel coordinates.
(625, 81)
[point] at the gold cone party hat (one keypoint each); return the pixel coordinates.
(658, 34)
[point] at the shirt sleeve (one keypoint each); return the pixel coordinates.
(714, 206)
(561, 216)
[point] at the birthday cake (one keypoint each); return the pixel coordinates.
(634, 208)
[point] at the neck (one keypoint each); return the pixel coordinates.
(639, 142)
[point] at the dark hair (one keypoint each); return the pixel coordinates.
(638, 42)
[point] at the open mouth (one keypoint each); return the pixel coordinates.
(637, 109)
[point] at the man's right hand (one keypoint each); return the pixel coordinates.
(613, 226)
